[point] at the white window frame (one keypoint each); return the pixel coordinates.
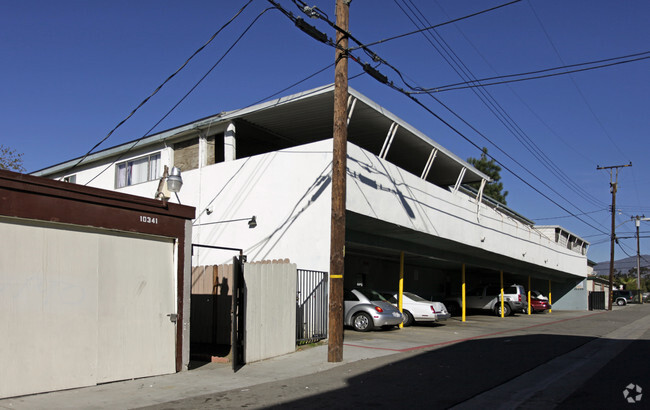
(126, 179)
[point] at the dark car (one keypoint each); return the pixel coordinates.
(622, 297)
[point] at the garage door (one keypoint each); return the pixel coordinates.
(82, 306)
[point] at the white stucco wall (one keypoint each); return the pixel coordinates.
(289, 193)
(380, 189)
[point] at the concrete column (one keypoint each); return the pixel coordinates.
(230, 143)
(203, 150)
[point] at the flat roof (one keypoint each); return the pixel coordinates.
(308, 117)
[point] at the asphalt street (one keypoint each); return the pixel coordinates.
(586, 361)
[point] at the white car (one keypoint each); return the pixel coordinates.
(418, 309)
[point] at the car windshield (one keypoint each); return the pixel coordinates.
(371, 295)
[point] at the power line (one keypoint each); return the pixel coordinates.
(432, 27)
(184, 96)
(584, 99)
(498, 111)
(163, 84)
(383, 79)
(569, 216)
(579, 152)
(482, 81)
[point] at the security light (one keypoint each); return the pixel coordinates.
(174, 181)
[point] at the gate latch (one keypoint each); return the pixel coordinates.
(173, 317)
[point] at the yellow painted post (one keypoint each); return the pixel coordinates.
(401, 286)
(550, 301)
(529, 294)
(502, 302)
(463, 293)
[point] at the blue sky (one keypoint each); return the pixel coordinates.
(71, 70)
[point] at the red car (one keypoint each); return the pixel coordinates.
(538, 302)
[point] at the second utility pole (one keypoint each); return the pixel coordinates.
(613, 183)
(339, 154)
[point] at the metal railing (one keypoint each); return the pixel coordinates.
(311, 306)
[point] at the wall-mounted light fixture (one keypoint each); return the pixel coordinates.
(174, 181)
(174, 184)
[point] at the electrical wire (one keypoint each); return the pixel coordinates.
(184, 96)
(579, 152)
(497, 110)
(584, 99)
(568, 216)
(432, 27)
(482, 81)
(163, 84)
(391, 85)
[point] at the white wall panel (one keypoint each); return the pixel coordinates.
(136, 293)
(82, 306)
(270, 327)
(48, 300)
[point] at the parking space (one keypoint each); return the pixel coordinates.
(453, 330)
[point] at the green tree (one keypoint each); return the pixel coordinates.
(490, 168)
(10, 159)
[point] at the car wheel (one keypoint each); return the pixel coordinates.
(506, 309)
(620, 302)
(362, 322)
(408, 318)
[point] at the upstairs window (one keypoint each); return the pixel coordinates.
(137, 170)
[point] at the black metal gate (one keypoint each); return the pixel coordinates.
(312, 306)
(238, 314)
(596, 300)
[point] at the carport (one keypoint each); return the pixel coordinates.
(437, 268)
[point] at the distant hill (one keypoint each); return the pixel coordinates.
(622, 265)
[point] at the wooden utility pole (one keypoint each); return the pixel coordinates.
(339, 154)
(613, 183)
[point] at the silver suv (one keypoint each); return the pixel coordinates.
(487, 297)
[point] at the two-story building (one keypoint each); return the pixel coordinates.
(405, 194)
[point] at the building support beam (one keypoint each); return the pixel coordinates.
(502, 301)
(352, 102)
(230, 143)
(479, 198)
(400, 290)
(427, 166)
(464, 302)
(459, 180)
(389, 140)
(203, 149)
(529, 307)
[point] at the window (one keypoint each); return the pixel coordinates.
(349, 296)
(70, 178)
(137, 170)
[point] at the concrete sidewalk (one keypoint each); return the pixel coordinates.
(216, 377)
(210, 378)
